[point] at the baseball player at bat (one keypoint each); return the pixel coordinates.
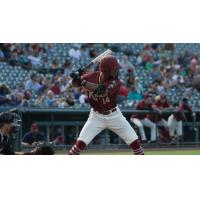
(102, 88)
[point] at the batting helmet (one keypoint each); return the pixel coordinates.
(108, 63)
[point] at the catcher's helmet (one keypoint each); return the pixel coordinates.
(109, 63)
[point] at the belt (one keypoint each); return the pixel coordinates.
(107, 112)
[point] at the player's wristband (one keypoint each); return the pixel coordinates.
(83, 83)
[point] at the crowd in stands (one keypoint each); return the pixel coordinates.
(150, 68)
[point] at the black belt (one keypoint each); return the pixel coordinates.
(107, 112)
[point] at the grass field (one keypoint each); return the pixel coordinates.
(147, 152)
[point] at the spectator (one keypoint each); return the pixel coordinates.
(70, 99)
(134, 94)
(169, 47)
(62, 103)
(83, 98)
(34, 137)
(5, 48)
(67, 66)
(189, 92)
(35, 60)
(45, 85)
(174, 72)
(5, 95)
(138, 85)
(32, 84)
(58, 76)
(50, 100)
(14, 59)
(21, 100)
(160, 88)
(150, 64)
(40, 100)
(55, 67)
(140, 59)
(56, 88)
(153, 90)
(24, 61)
(84, 51)
(65, 83)
(130, 78)
(155, 73)
(126, 64)
(74, 52)
(93, 53)
(2, 57)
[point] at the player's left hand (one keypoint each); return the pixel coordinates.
(75, 75)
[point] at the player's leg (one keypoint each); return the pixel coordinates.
(139, 124)
(93, 127)
(146, 122)
(163, 122)
(179, 130)
(171, 125)
(118, 124)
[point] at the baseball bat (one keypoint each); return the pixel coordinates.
(94, 61)
(99, 58)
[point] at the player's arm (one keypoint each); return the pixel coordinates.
(109, 87)
(25, 144)
(155, 108)
(168, 109)
(90, 86)
(82, 81)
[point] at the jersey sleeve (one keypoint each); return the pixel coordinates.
(183, 107)
(87, 76)
(167, 105)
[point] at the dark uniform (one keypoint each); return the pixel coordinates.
(6, 147)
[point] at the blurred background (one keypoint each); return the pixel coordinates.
(34, 78)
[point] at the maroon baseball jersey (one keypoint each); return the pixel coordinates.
(179, 115)
(106, 101)
(142, 106)
(156, 117)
